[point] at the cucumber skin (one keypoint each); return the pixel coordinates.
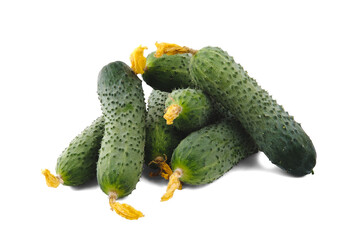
(167, 72)
(207, 154)
(160, 138)
(276, 133)
(197, 110)
(121, 155)
(77, 163)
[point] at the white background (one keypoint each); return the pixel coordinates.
(305, 53)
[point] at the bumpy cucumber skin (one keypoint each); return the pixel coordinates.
(196, 110)
(77, 163)
(167, 72)
(121, 155)
(276, 133)
(207, 154)
(161, 139)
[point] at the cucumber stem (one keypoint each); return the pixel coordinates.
(174, 183)
(172, 112)
(52, 180)
(124, 209)
(165, 169)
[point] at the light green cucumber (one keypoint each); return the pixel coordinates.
(188, 109)
(77, 163)
(161, 139)
(276, 133)
(121, 155)
(167, 72)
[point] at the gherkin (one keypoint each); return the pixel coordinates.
(77, 163)
(276, 133)
(207, 154)
(121, 155)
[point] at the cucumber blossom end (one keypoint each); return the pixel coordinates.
(52, 180)
(123, 209)
(172, 112)
(174, 183)
(138, 61)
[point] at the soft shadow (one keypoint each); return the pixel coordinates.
(88, 185)
(158, 180)
(281, 172)
(188, 186)
(253, 163)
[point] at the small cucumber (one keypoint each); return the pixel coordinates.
(276, 133)
(207, 154)
(188, 109)
(77, 163)
(161, 139)
(166, 73)
(121, 155)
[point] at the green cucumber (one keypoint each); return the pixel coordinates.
(167, 72)
(121, 155)
(161, 139)
(188, 109)
(77, 163)
(207, 154)
(276, 133)
(171, 72)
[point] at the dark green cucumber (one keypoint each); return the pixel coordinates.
(194, 109)
(167, 72)
(276, 133)
(121, 155)
(77, 163)
(161, 139)
(207, 154)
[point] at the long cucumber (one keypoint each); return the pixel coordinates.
(121, 155)
(277, 134)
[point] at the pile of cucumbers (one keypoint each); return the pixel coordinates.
(203, 116)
